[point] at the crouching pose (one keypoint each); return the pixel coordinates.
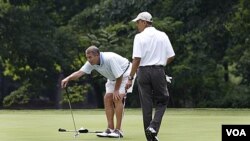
(116, 69)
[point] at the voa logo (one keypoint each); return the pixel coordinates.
(236, 132)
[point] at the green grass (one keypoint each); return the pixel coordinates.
(177, 125)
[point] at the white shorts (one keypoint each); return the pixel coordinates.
(110, 86)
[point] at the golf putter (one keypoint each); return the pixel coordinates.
(69, 101)
(81, 130)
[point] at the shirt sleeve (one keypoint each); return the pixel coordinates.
(170, 50)
(116, 68)
(87, 68)
(137, 47)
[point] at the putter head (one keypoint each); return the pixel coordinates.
(83, 130)
(77, 134)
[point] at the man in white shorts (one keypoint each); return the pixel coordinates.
(116, 69)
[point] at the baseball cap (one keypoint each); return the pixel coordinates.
(144, 16)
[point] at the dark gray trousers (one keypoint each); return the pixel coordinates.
(152, 85)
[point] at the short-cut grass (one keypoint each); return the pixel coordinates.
(177, 124)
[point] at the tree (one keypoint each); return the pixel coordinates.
(210, 39)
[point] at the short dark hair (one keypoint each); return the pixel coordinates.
(92, 49)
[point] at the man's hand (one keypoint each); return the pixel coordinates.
(64, 82)
(116, 95)
(129, 84)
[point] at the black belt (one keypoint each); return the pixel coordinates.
(152, 66)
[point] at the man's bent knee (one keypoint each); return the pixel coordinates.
(108, 96)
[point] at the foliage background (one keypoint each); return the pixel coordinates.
(41, 42)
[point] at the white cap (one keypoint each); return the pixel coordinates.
(145, 16)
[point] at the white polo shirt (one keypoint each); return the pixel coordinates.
(153, 47)
(111, 66)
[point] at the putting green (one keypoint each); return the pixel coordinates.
(177, 125)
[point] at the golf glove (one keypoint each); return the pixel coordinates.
(168, 78)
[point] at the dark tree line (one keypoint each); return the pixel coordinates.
(42, 41)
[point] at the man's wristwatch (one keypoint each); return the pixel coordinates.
(130, 77)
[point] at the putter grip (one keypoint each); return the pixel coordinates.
(61, 130)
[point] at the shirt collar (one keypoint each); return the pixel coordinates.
(150, 28)
(101, 59)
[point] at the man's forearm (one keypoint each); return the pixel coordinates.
(118, 83)
(75, 75)
(135, 65)
(170, 60)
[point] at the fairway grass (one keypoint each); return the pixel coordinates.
(177, 125)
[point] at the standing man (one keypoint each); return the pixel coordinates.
(152, 51)
(116, 69)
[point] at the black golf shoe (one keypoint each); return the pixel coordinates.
(151, 134)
